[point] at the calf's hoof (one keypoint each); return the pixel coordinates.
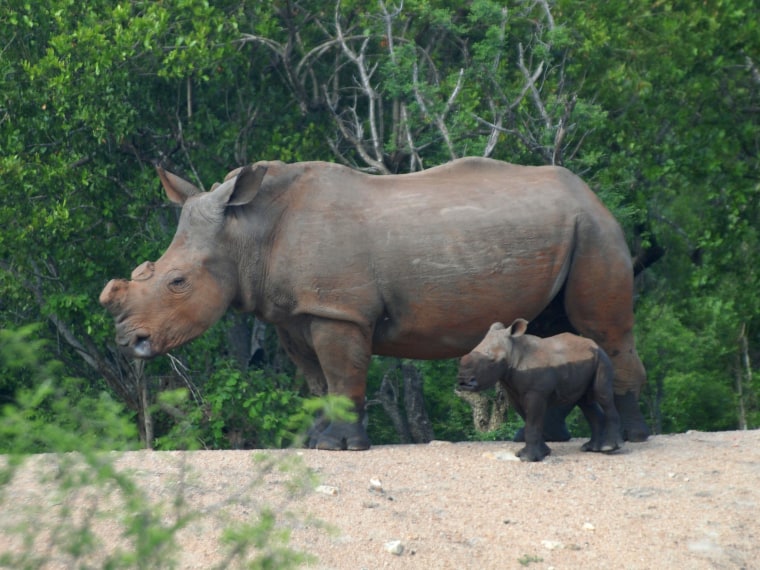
(604, 447)
(591, 445)
(533, 452)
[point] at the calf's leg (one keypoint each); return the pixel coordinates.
(604, 396)
(555, 428)
(535, 449)
(595, 418)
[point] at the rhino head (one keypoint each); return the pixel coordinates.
(489, 361)
(175, 299)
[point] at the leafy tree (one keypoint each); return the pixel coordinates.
(656, 105)
(92, 96)
(680, 84)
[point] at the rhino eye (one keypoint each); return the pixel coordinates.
(178, 284)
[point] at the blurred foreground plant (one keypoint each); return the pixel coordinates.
(73, 505)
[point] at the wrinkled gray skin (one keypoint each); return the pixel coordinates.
(542, 372)
(346, 265)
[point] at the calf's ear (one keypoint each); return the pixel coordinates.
(518, 327)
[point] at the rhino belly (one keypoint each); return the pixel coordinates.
(445, 323)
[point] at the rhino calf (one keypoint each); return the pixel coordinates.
(542, 372)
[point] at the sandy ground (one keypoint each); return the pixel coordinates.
(686, 501)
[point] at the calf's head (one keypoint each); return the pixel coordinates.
(175, 299)
(489, 361)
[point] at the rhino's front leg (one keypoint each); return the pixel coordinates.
(534, 404)
(344, 352)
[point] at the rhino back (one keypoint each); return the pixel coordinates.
(564, 366)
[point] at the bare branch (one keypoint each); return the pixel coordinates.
(454, 93)
(528, 141)
(356, 137)
(502, 34)
(323, 48)
(547, 11)
(530, 85)
(365, 74)
(559, 135)
(415, 160)
(182, 372)
(753, 69)
(496, 130)
(181, 142)
(439, 120)
(276, 47)
(388, 19)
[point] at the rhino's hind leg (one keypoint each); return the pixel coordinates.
(633, 426)
(604, 313)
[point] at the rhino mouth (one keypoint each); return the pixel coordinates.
(469, 384)
(136, 345)
(142, 347)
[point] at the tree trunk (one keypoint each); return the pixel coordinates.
(417, 418)
(743, 374)
(388, 397)
(403, 400)
(488, 413)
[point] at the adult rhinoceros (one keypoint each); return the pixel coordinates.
(346, 265)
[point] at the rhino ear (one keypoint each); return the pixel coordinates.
(244, 188)
(177, 189)
(518, 327)
(497, 327)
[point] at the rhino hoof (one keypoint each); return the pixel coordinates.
(339, 436)
(635, 429)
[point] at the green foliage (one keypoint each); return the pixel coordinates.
(269, 538)
(505, 432)
(691, 371)
(48, 412)
(451, 417)
(655, 104)
(239, 410)
(528, 559)
(84, 491)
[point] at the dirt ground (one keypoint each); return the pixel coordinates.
(681, 501)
